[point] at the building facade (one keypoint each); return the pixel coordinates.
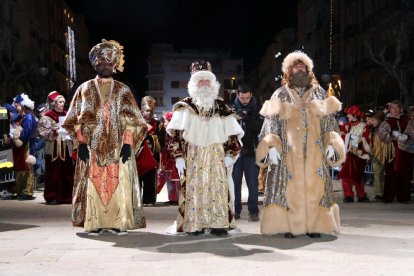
(363, 50)
(169, 72)
(370, 32)
(48, 45)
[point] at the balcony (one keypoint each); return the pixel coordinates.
(154, 73)
(155, 90)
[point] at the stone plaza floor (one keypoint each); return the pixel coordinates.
(38, 239)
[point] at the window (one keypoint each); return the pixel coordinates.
(183, 84)
(179, 68)
(175, 84)
(155, 84)
(159, 101)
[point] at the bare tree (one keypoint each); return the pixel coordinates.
(392, 66)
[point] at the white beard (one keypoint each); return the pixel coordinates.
(204, 97)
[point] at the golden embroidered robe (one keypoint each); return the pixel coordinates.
(103, 110)
(203, 142)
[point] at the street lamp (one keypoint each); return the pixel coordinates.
(43, 72)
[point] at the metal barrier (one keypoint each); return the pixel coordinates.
(368, 169)
(7, 176)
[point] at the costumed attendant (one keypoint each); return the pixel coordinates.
(357, 139)
(399, 168)
(168, 172)
(23, 134)
(380, 154)
(154, 141)
(107, 122)
(205, 140)
(58, 152)
(300, 137)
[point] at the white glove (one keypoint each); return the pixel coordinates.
(330, 152)
(180, 165)
(62, 132)
(11, 133)
(354, 144)
(402, 137)
(396, 133)
(274, 156)
(355, 138)
(228, 161)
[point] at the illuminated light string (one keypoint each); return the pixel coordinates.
(70, 42)
(330, 35)
(331, 89)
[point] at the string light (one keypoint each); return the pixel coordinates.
(70, 42)
(330, 35)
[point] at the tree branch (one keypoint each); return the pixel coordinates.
(371, 53)
(399, 40)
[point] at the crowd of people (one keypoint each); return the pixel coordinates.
(383, 141)
(109, 158)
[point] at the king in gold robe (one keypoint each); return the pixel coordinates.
(206, 135)
(105, 116)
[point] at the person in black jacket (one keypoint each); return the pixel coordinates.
(247, 110)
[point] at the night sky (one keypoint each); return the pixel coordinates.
(244, 27)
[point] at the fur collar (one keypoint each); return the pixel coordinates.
(324, 107)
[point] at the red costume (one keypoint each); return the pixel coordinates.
(399, 167)
(58, 151)
(168, 172)
(357, 138)
(154, 140)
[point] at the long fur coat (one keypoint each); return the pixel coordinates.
(298, 196)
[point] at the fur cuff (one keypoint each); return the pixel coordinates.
(325, 107)
(333, 138)
(17, 132)
(275, 107)
(31, 160)
(18, 143)
(271, 140)
(333, 105)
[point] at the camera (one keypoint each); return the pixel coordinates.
(240, 113)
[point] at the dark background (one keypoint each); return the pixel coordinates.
(244, 27)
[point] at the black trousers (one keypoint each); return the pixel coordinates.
(148, 187)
